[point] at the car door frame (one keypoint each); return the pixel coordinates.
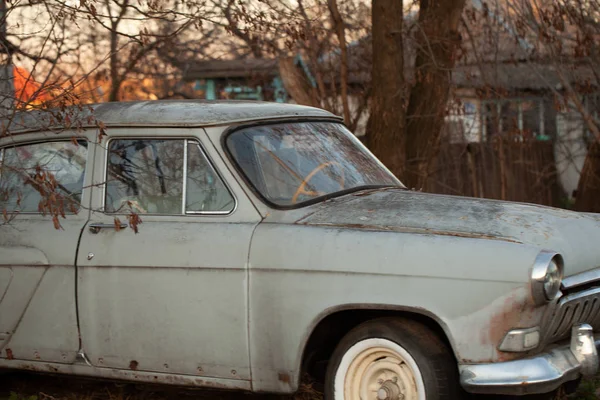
(244, 214)
(56, 277)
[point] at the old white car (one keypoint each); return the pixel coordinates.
(265, 242)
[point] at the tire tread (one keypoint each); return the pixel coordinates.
(436, 361)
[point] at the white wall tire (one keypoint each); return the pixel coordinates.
(376, 369)
(392, 359)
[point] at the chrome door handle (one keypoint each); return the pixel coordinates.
(96, 227)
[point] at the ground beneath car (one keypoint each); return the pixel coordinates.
(30, 386)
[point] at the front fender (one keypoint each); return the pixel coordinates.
(475, 289)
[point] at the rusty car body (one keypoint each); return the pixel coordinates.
(249, 291)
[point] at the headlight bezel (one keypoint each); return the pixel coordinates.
(540, 276)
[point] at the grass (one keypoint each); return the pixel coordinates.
(24, 386)
(588, 390)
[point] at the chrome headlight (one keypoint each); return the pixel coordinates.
(546, 276)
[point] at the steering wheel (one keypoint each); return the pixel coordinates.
(301, 189)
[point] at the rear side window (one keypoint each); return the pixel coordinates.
(42, 177)
(163, 176)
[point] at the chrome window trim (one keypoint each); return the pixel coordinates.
(1, 159)
(185, 168)
(56, 140)
(184, 213)
(223, 180)
(581, 279)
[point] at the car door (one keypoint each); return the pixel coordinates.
(38, 242)
(172, 297)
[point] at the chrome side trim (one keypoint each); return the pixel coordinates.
(82, 358)
(581, 279)
(1, 165)
(540, 374)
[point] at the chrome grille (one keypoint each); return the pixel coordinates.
(572, 309)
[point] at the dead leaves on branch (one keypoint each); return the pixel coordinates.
(52, 202)
(133, 219)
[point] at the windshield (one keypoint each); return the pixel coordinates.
(292, 163)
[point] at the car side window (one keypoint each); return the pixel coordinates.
(205, 191)
(42, 177)
(148, 176)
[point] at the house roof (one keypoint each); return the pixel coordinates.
(171, 113)
(535, 75)
(494, 55)
(239, 68)
(521, 76)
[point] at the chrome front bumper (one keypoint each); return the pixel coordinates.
(540, 374)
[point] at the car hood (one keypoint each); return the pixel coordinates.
(575, 235)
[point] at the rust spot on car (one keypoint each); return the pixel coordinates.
(283, 377)
(505, 319)
(9, 354)
(421, 231)
(37, 367)
(133, 365)
(517, 311)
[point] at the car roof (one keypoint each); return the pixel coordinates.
(172, 113)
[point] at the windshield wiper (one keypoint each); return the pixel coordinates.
(368, 189)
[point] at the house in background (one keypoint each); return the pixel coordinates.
(529, 108)
(246, 79)
(490, 100)
(503, 89)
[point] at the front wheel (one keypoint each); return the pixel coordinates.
(392, 359)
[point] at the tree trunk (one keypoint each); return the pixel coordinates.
(437, 42)
(385, 128)
(7, 89)
(588, 189)
(296, 83)
(340, 30)
(115, 81)
(7, 92)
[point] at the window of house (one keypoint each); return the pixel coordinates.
(490, 119)
(148, 176)
(522, 118)
(42, 176)
(510, 117)
(462, 123)
(531, 120)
